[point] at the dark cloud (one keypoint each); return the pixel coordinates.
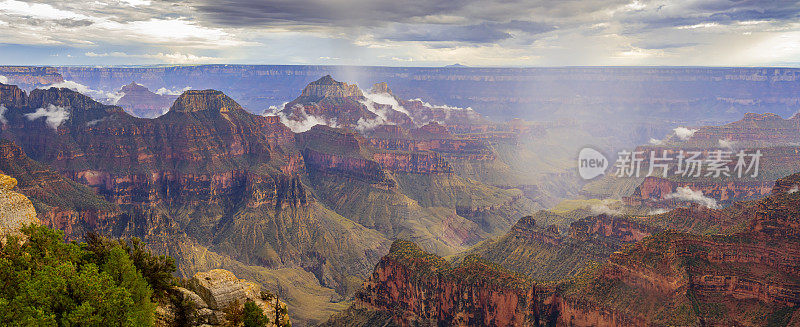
(476, 33)
(723, 12)
(656, 45)
(322, 12)
(73, 22)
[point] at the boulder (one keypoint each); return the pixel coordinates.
(16, 210)
(192, 296)
(219, 288)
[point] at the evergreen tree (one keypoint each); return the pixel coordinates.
(254, 316)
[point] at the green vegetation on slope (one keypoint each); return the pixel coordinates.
(47, 282)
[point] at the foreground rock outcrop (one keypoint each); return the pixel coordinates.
(216, 298)
(16, 211)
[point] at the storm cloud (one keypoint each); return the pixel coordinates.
(402, 32)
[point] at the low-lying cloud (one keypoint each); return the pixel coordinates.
(684, 133)
(3, 79)
(54, 115)
(603, 208)
(387, 99)
(657, 212)
(304, 121)
(166, 91)
(3, 110)
(99, 95)
(727, 144)
(687, 194)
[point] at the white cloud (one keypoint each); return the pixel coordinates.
(657, 212)
(3, 79)
(99, 95)
(656, 142)
(696, 26)
(603, 208)
(3, 110)
(305, 121)
(687, 194)
(96, 121)
(54, 115)
(727, 144)
(172, 58)
(165, 91)
(386, 98)
(136, 3)
(38, 10)
(684, 133)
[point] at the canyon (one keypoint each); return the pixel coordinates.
(215, 186)
(661, 277)
(308, 196)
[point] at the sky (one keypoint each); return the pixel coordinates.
(401, 32)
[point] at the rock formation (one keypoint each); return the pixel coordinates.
(141, 102)
(31, 76)
(418, 288)
(213, 295)
(16, 211)
(662, 277)
(211, 184)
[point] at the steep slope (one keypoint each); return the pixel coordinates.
(404, 193)
(60, 203)
(747, 278)
(753, 130)
(415, 288)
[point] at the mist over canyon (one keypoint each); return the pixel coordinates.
(366, 196)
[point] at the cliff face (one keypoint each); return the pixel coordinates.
(60, 202)
(421, 289)
(332, 101)
(659, 278)
(722, 277)
(615, 229)
(345, 105)
(653, 191)
(753, 129)
(141, 102)
(31, 76)
(11, 95)
(431, 137)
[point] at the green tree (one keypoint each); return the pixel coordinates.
(253, 315)
(47, 282)
(121, 268)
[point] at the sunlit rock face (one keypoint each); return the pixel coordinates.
(420, 288)
(16, 211)
(653, 280)
(30, 77)
(216, 293)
